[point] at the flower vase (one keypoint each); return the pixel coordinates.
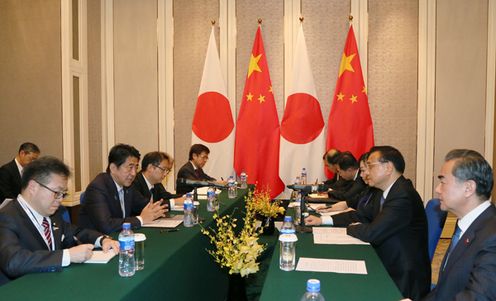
(237, 288)
(268, 226)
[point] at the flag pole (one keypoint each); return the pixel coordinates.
(301, 19)
(259, 22)
(213, 22)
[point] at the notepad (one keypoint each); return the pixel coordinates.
(332, 265)
(101, 257)
(334, 236)
(167, 222)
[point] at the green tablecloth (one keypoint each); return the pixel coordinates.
(376, 285)
(177, 267)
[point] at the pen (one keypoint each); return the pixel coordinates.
(222, 178)
(169, 230)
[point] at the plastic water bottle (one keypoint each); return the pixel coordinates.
(127, 264)
(313, 291)
(232, 190)
(212, 202)
(287, 254)
(297, 208)
(288, 226)
(243, 177)
(303, 176)
(188, 219)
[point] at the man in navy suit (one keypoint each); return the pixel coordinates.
(394, 223)
(10, 173)
(110, 200)
(468, 269)
(33, 235)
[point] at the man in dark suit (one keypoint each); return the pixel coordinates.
(193, 169)
(468, 269)
(331, 163)
(33, 235)
(110, 200)
(155, 166)
(394, 223)
(10, 173)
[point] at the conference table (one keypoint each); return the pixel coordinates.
(177, 267)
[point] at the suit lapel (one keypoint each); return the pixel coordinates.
(26, 220)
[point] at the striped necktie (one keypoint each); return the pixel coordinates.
(47, 232)
(454, 241)
(121, 199)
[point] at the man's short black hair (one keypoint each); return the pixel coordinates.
(41, 171)
(347, 160)
(154, 158)
(197, 149)
(29, 147)
(332, 156)
(120, 152)
(471, 165)
(390, 154)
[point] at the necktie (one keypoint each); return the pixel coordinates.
(47, 232)
(197, 173)
(454, 241)
(382, 202)
(152, 191)
(121, 199)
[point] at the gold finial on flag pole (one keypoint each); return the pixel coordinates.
(350, 18)
(301, 19)
(213, 22)
(259, 21)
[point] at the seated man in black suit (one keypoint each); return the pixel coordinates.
(33, 235)
(331, 163)
(110, 200)
(394, 223)
(468, 269)
(155, 166)
(10, 173)
(193, 169)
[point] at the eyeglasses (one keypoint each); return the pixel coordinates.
(57, 194)
(371, 164)
(164, 170)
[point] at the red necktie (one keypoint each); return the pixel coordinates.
(48, 233)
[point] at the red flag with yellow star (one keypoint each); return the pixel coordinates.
(256, 147)
(350, 125)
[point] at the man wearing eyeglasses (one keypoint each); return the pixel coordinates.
(394, 223)
(110, 200)
(33, 235)
(193, 169)
(155, 166)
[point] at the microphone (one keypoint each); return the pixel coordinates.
(198, 184)
(309, 188)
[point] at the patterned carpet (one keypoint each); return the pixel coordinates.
(442, 246)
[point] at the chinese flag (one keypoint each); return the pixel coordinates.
(350, 125)
(256, 147)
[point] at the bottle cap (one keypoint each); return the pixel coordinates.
(313, 285)
(288, 218)
(188, 195)
(126, 226)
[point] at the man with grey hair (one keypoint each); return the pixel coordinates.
(468, 269)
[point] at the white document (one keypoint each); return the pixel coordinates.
(331, 213)
(332, 265)
(318, 196)
(317, 206)
(334, 236)
(177, 208)
(167, 222)
(101, 257)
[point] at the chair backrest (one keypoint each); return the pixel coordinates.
(65, 214)
(435, 222)
(81, 198)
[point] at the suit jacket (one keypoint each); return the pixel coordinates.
(10, 181)
(101, 209)
(187, 171)
(351, 193)
(398, 234)
(471, 269)
(23, 250)
(159, 191)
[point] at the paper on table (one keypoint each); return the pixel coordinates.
(318, 196)
(101, 257)
(317, 206)
(331, 213)
(332, 265)
(334, 236)
(168, 222)
(177, 208)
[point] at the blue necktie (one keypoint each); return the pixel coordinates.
(454, 241)
(121, 199)
(382, 202)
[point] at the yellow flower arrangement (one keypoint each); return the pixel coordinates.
(237, 252)
(263, 205)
